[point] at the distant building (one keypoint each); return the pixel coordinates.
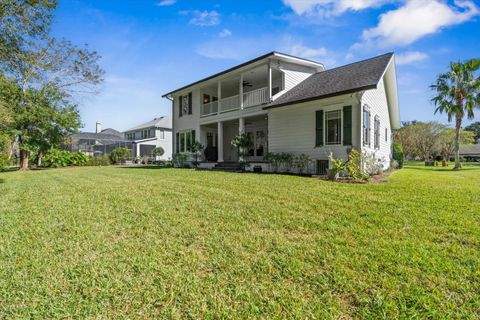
(100, 142)
(150, 135)
(470, 152)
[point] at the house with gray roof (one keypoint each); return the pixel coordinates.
(150, 135)
(98, 143)
(293, 105)
(470, 152)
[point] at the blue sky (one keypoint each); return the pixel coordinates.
(150, 47)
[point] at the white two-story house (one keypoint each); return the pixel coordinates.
(289, 104)
(150, 135)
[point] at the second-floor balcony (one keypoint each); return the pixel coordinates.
(249, 99)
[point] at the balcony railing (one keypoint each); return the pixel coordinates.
(250, 99)
(255, 97)
(209, 108)
(230, 103)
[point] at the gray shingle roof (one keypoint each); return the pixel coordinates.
(97, 136)
(361, 75)
(470, 149)
(112, 131)
(160, 122)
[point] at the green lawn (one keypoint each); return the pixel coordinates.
(172, 243)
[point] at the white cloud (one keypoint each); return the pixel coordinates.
(239, 49)
(416, 19)
(302, 51)
(410, 57)
(205, 18)
(331, 7)
(166, 3)
(225, 33)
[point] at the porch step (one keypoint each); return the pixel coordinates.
(227, 166)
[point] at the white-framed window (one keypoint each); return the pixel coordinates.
(366, 126)
(184, 105)
(147, 133)
(185, 141)
(333, 127)
(386, 134)
(376, 130)
(161, 134)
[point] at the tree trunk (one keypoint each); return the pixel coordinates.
(39, 158)
(24, 157)
(458, 126)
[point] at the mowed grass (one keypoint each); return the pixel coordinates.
(177, 243)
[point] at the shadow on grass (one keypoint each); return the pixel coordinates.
(145, 167)
(442, 169)
(2, 181)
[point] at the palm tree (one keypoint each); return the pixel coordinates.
(458, 93)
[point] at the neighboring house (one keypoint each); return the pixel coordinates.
(150, 135)
(289, 104)
(100, 142)
(470, 152)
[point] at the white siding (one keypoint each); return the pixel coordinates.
(186, 121)
(292, 128)
(376, 100)
(166, 144)
(295, 74)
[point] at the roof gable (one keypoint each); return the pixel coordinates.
(358, 76)
(161, 122)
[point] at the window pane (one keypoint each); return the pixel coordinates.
(189, 140)
(182, 142)
(333, 123)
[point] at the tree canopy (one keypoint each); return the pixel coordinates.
(41, 76)
(458, 95)
(475, 128)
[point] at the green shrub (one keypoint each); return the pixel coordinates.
(120, 155)
(99, 161)
(158, 152)
(336, 166)
(354, 166)
(4, 149)
(286, 160)
(79, 159)
(57, 158)
(398, 154)
(302, 162)
(179, 160)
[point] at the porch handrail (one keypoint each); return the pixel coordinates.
(230, 103)
(209, 108)
(255, 97)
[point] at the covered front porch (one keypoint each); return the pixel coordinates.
(217, 137)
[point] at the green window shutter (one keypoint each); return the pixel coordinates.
(180, 106)
(347, 125)
(189, 103)
(193, 136)
(319, 128)
(177, 142)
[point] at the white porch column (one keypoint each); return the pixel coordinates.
(137, 146)
(220, 141)
(241, 125)
(219, 94)
(269, 81)
(241, 91)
